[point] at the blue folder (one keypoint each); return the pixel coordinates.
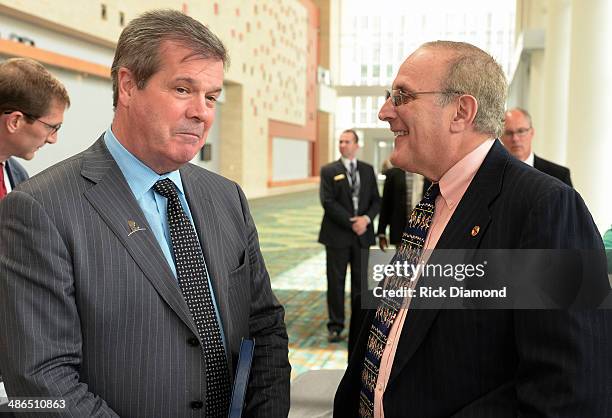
(241, 381)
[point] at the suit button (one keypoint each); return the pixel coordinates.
(197, 404)
(193, 341)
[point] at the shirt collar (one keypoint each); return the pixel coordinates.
(346, 162)
(529, 160)
(139, 176)
(456, 180)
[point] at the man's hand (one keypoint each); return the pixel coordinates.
(360, 224)
(382, 242)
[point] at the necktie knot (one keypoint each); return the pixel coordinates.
(166, 188)
(432, 192)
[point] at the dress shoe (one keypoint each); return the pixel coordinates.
(334, 337)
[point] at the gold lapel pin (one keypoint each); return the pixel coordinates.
(475, 230)
(134, 227)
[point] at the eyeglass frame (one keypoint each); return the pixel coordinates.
(54, 128)
(406, 97)
(520, 132)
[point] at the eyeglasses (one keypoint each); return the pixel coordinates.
(520, 132)
(53, 128)
(399, 97)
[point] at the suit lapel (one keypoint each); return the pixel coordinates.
(473, 210)
(112, 198)
(341, 169)
(537, 162)
(9, 172)
(14, 176)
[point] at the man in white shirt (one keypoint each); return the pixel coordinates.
(350, 199)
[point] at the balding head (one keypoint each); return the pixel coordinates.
(518, 133)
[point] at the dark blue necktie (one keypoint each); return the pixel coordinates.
(410, 250)
(193, 281)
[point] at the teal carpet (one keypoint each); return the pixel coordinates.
(288, 227)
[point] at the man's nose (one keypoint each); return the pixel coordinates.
(387, 111)
(52, 139)
(199, 109)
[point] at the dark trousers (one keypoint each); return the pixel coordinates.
(337, 261)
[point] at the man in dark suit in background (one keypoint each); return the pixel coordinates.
(350, 200)
(32, 105)
(445, 110)
(401, 192)
(394, 207)
(128, 276)
(517, 137)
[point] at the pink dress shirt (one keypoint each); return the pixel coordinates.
(453, 185)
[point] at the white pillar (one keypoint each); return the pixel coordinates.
(551, 136)
(537, 101)
(589, 147)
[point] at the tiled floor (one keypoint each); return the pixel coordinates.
(288, 227)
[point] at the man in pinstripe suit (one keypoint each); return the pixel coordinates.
(445, 109)
(90, 308)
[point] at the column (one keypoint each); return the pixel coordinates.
(589, 145)
(551, 135)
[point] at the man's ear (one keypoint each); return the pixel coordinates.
(14, 121)
(465, 113)
(126, 85)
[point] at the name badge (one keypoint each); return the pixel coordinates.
(339, 177)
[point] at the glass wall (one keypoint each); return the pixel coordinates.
(375, 38)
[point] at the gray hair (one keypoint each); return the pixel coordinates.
(139, 44)
(472, 71)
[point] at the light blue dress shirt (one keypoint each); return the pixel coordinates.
(141, 179)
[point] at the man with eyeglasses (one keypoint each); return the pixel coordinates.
(419, 356)
(32, 105)
(129, 277)
(517, 137)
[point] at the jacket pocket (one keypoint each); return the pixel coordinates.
(240, 274)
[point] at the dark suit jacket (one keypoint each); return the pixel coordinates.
(93, 314)
(393, 205)
(501, 363)
(552, 169)
(16, 172)
(335, 194)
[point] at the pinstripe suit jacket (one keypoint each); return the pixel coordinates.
(501, 363)
(94, 315)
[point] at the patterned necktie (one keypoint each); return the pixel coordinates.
(413, 241)
(409, 185)
(193, 281)
(3, 191)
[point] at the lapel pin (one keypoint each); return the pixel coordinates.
(134, 227)
(475, 230)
